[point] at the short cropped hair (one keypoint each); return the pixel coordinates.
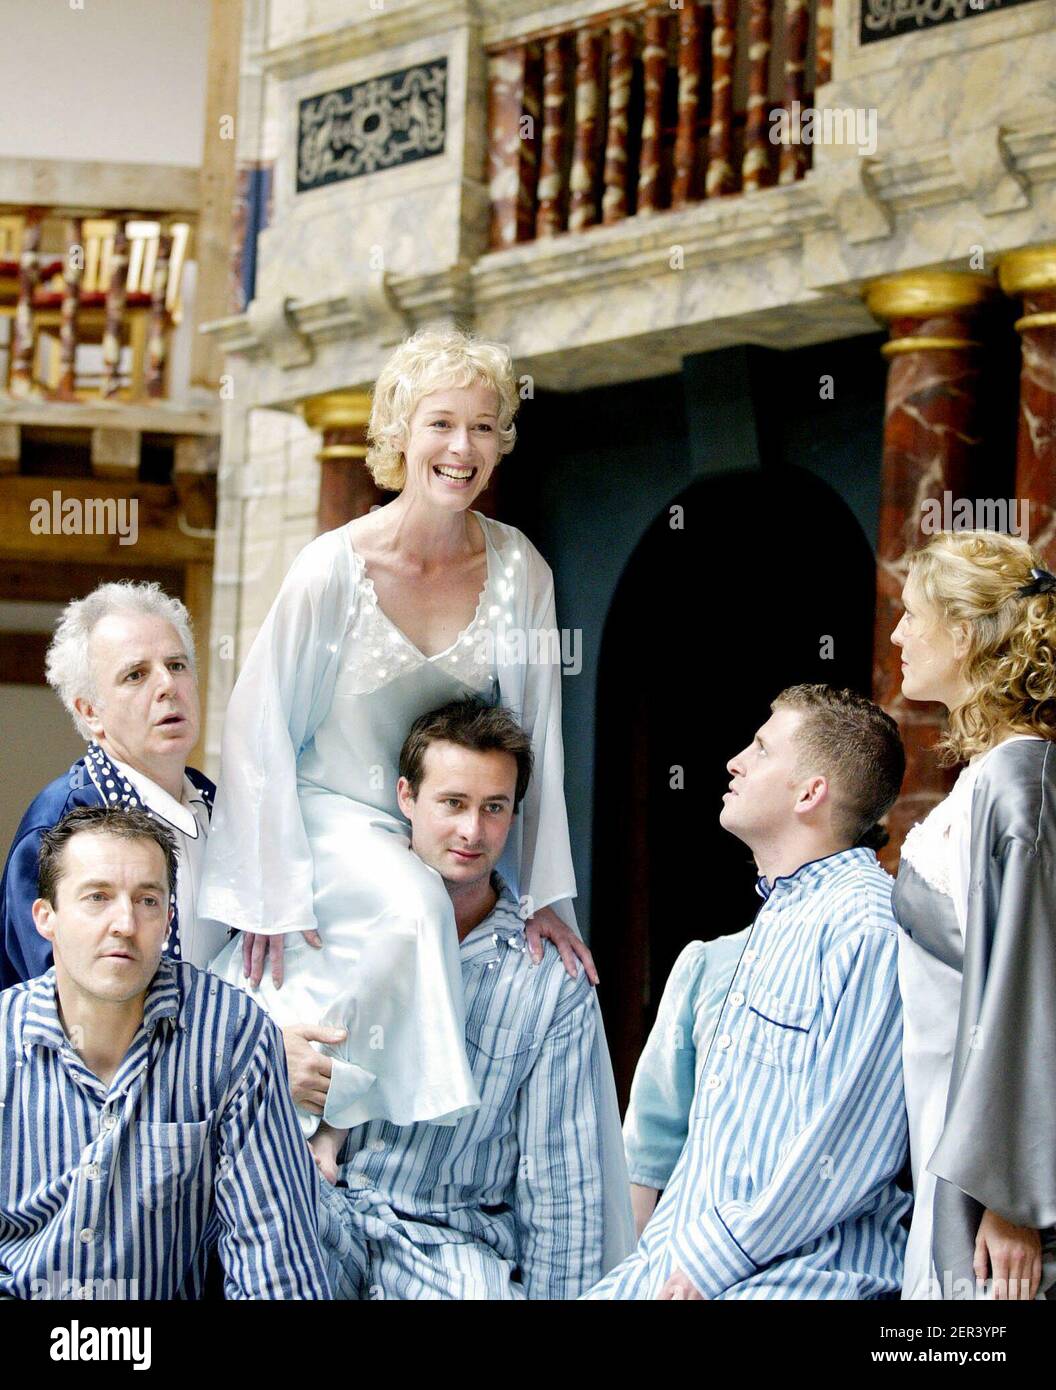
(856, 746)
(433, 359)
(100, 820)
(68, 665)
(468, 724)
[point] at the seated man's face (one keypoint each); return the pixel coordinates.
(764, 781)
(462, 813)
(146, 695)
(107, 926)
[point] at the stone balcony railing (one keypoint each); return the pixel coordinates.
(648, 107)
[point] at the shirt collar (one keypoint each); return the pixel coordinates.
(812, 871)
(503, 925)
(42, 1026)
(177, 813)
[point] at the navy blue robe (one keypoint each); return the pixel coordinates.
(24, 953)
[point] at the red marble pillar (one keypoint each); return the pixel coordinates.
(794, 157)
(514, 79)
(932, 445)
(115, 313)
(1031, 275)
(346, 489)
(823, 44)
(157, 346)
(549, 219)
(72, 272)
(756, 167)
(583, 211)
(720, 179)
(684, 187)
(654, 69)
(21, 374)
(621, 71)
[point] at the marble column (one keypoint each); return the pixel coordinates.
(21, 374)
(720, 179)
(346, 489)
(654, 69)
(932, 445)
(514, 92)
(1030, 274)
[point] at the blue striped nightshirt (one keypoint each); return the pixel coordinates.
(120, 1191)
(785, 1187)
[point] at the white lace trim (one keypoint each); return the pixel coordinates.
(377, 652)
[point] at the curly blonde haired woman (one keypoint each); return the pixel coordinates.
(378, 622)
(976, 902)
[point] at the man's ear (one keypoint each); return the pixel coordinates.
(404, 796)
(812, 794)
(43, 912)
(89, 713)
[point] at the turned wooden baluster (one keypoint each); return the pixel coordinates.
(549, 219)
(794, 157)
(28, 275)
(73, 270)
(583, 212)
(823, 44)
(755, 169)
(720, 178)
(159, 319)
(684, 185)
(621, 71)
(115, 312)
(511, 158)
(654, 67)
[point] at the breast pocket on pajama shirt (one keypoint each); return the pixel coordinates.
(778, 1032)
(166, 1159)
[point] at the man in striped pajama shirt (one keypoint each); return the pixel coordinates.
(521, 1198)
(786, 1184)
(145, 1114)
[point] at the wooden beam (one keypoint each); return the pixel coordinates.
(22, 657)
(31, 522)
(115, 454)
(219, 185)
(28, 581)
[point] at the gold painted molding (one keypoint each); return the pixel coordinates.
(922, 294)
(1032, 268)
(900, 345)
(1045, 320)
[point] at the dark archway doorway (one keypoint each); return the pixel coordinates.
(770, 582)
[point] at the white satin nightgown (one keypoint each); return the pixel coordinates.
(326, 719)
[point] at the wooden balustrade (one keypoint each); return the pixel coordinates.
(107, 282)
(649, 107)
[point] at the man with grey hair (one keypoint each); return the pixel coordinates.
(122, 662)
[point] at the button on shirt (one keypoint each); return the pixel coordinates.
(785, 1187)
(195, 1139)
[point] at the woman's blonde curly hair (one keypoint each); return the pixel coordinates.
(974, 577)
(433, 359)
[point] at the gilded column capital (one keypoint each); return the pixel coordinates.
(341, 417)
(1031, 272)
(923, 294)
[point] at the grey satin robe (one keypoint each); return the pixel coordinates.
(998, 1145)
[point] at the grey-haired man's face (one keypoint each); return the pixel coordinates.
(146, 695)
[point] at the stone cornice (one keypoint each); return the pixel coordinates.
(401, 21)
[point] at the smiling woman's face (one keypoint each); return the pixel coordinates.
(932, 653)
(453, 446)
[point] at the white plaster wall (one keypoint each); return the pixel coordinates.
(116, 80)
